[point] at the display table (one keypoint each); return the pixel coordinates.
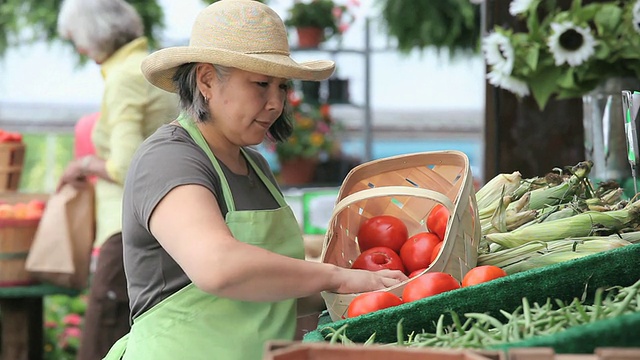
(21, 311)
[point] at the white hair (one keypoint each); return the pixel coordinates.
(100, 27)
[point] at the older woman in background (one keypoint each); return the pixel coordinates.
(110, 32)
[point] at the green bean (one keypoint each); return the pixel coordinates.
(581, 311)
(528, 320)
(485, 318)
(400, 332)
(336, 334)
(633, 291)
(456, 321)
(526, 311)
(440, 326)
(371, 339)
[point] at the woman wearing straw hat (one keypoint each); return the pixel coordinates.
(214, 257)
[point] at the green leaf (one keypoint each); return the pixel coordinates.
(567, 79)
(607, 18)
(543, 85)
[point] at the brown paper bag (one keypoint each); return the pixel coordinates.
(61, 249)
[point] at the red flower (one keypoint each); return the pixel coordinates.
(72, 320)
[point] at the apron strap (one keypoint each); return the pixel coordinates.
(196, 135)
(272, 188)
(118, 349)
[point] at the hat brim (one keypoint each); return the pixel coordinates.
(160, 66)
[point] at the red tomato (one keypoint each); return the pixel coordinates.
(5, 137)
(483, 273)
(416, 272)
(436, 251)
(372, 301)
(378, 258)
(437, 220)
(382, 230)
(429, 284)
(416, 252)
(17, 137)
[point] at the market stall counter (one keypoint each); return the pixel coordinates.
(21, 310)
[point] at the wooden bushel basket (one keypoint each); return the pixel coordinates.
(407, 187)
(16, 237)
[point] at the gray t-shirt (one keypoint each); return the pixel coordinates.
(167, 159)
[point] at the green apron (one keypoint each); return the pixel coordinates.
(197, 325)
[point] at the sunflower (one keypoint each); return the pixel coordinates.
(498, 52)
(636, 16)
(508, 82)
(517, 7)
(571, 44)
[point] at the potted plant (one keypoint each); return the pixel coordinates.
(567, 52)
(317, 20)
(561, 50)
(313, 140)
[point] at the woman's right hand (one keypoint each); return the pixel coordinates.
(358, 281)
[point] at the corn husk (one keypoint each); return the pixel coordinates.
(565, 250)
(502, 184)
(584, 224)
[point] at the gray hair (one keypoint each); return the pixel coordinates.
(101, 27)
(191, 99)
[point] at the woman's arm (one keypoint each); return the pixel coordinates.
(78, 170)
(189, 225)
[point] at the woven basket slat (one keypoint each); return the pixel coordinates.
(445, 173)
(11, 161)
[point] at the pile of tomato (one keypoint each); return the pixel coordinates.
(8, 136)
(385, 243)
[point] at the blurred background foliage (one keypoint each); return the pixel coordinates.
(415, 24)
(46, 156)
(453, 25)
(27, 21)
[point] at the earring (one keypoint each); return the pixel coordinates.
(206, 99)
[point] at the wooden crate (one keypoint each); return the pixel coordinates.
(11, 161)
(316, 351)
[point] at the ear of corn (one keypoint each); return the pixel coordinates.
(538, 253)
(500, 185)
(567, 251)
(556, 217)
(583, 224)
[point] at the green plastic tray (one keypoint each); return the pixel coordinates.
(563, 281)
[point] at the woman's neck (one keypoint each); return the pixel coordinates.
(227, 153)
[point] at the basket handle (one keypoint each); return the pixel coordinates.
(390, 191)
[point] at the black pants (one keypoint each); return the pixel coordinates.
(107, 316)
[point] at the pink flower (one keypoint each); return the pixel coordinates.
(337, 12)
(72, 320)
(50, 324)
(72, 331)
(323, 127)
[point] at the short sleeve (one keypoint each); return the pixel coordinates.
(166, 160)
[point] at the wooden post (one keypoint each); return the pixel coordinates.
(22, 328)
(520, 137)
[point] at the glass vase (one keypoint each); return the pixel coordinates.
(604, 135)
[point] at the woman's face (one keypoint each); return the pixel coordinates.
(246, 104)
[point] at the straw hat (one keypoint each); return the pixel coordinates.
(243, 34)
